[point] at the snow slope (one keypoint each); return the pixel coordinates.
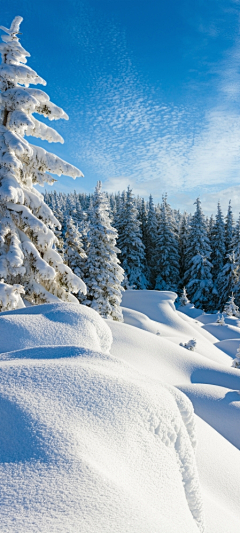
(100, 438)
(211, 384)
(87, 442)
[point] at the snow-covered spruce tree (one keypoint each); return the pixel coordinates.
(103, 273)
(228, 280)
(130, 244)
(231, 309)
(74, 253)
(167, 251)
(218, 244)
(27, 253)
(143, 220)
(183, 245)
(183, 300)
(229, 232)
(151, 241)
(198, 277)
(236, 361)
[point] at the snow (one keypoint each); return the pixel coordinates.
(98, 430)
(87, 442)
(57, 324)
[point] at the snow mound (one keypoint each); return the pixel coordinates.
(229, 346)
(139, 320)
(190, 310)
(58, 324)
(89, 444)
(154, 311)
(223, 332)
(219, 407)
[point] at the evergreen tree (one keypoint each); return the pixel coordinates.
(151, 241)
(227, 280)
(198, 277)
(74, 253)
(167, 251)
(183, 245)
(229, 232)
(231, 309)
(183, 300)
(143, 221)
(236, 241)
(27, 253)
(236, 361)
(218, 244)
(130, 243)
(103, 273)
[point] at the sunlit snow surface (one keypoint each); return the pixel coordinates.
(98, 439)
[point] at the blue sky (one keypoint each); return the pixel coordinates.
(151, 89)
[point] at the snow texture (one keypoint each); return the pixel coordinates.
(88, 443)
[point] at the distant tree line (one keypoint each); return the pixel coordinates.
(159, 247)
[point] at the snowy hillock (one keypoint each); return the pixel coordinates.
(87, 442)
(98, 433)
(210, 382)
(53, 325)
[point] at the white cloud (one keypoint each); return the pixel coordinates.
(135, 138)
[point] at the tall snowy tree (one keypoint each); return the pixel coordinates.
(103, 273)
(130, 243)
(218, 244)
(27, 254)
(183, 244)
(151, 241)
(167, 251)
(229, 232)
(198, 277)
(74, 253)
(228, 279)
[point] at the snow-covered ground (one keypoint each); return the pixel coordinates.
(97, 431)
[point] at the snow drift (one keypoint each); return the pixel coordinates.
(87, 442)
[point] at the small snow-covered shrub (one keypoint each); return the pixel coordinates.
(236, 361)
(10, 296)
(183, 298)
(190, 345)
(220, 320)
(231, 309)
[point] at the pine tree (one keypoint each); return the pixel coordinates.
(130, 243)
(236, 361)
(27, 254)
(151, 241)
(183, 245)
(218, 244)
(167, 251)
(231, 309)
(103, 273)
(74, 253)
(198, 277)
(229, 232)
(183, 298)
(228, 280)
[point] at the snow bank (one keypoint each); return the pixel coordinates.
(55, 324)
(190, 310)
(88, 443)
(154, 311)
(210, 382)
(223, 332)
